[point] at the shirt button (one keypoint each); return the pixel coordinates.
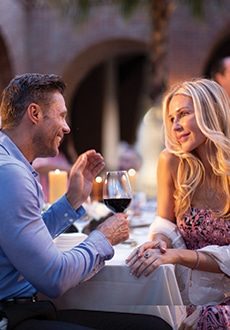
(66, 215)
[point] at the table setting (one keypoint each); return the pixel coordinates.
(114, 288)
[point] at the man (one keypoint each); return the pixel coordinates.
(220, 72)
(33, 125)
(33, 115)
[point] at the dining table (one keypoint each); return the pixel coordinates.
(115, 289)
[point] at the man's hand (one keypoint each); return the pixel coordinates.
(81, 177)
(115, 228)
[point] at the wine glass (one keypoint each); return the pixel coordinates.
(117, 193)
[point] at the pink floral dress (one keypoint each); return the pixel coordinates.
(200, 228)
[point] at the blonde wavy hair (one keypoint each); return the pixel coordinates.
(212, 113)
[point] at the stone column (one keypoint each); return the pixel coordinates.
(110, 118)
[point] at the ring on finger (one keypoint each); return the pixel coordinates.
(147, 255)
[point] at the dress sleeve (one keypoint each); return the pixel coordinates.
(221, 254)
(211, 288)
(168, 228)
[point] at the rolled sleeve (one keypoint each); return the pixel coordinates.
(61, 215)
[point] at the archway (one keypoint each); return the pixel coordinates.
(86, 91)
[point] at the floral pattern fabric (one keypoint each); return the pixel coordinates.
(200, 228)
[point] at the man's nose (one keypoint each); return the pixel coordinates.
(66, 128)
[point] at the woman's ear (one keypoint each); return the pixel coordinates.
(34, 113)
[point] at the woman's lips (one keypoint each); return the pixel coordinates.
(183, 137)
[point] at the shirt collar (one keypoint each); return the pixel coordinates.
(8, 147)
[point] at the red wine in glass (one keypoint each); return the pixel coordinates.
(117, 205)
(117, 192)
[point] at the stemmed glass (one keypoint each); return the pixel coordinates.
(117, 193)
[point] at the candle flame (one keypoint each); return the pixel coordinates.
(98, 179)
(131, 172)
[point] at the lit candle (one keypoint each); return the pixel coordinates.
(97, 189)
(132, 178)
(57, 184)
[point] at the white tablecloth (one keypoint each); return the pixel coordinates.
(115, 289)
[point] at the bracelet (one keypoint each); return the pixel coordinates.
(196, 265)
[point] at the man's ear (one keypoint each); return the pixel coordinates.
(34, 113)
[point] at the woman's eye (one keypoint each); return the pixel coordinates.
(182, 114)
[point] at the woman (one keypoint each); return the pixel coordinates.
(192, 228)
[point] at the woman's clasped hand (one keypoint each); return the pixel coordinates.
(149, 256)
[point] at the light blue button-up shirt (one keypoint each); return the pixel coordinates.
(29, 260)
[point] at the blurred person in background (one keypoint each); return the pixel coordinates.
(130, 160)
(220, 72)
(128, 157)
